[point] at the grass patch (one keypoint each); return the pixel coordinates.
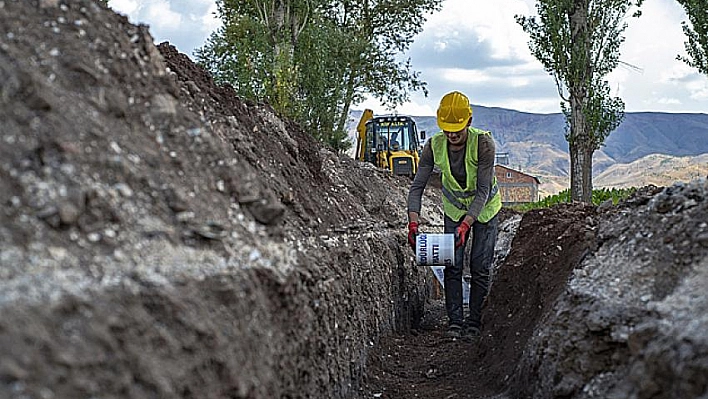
(598, 196)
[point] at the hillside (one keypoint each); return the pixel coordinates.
(161, 237)
(639, 135)
(656, 169)
(536, 144)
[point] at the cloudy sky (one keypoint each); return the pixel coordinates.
(475, 46)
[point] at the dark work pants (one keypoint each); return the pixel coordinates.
(483, 237)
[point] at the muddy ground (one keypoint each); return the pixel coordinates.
(161, 238)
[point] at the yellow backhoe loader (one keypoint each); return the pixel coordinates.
(389, 142)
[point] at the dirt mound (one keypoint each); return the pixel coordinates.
(632, 321)
(162, 238)
(588, 303)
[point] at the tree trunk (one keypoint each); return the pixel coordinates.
(581, 146)
(580, 172)
(346, 103)
(581, 150)
(284, 70)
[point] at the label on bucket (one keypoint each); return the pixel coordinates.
(439, 272)
(435, 249)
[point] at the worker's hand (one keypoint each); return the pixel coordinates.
(412, 233)
(461, 234)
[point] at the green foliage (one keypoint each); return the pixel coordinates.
(598, 197)
(602, 114)
(578, 42)
(326, 53)
(615, 194)
(237, 62)
(547, 202)
(313, 59)
(697, 34)
(383, 29)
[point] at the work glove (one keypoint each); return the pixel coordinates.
(412, 233)
(461, 234)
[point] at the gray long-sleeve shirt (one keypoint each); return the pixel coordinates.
(485, 173)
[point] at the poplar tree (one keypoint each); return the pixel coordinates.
(254, 50)
(578, 42)
(697, 34)
(313, 59)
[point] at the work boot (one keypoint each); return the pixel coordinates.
(471, 334)
(454, 331)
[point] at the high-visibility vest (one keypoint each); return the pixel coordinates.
(457, 200)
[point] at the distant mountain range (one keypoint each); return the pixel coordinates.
(654, 169)
(536, 144)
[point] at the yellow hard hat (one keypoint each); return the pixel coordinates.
(454, 112)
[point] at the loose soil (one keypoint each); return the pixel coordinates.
(425, 364)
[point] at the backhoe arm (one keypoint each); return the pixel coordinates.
(361, 131)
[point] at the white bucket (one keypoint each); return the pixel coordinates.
(435, 249)
(439, 272)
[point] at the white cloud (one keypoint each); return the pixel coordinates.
(163, 17)
(699, 90)
(490, 32)
(677, 73)
(545, 105)
(417, 109)
(186, 24)
(513, 77)
(656, 81)
(483, 21)
(667, 101)
(477, 47)
(209, 21)
(127, 7)
(440, 46)
(466, 75)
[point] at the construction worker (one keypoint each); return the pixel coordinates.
(471, 201)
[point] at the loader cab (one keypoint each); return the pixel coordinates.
(393, 142)
(391, 133)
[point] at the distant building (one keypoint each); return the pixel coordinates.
(501, 158)
(516, 187)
